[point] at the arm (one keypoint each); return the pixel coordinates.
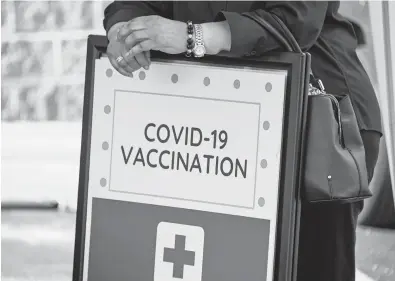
(119, 12)
(304, 19)
(231, 33)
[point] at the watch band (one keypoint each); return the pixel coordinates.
(198, 35)
(199, 50)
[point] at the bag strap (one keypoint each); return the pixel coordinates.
(291, 45)
(288, 41)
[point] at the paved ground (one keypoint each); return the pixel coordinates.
(376, 253)
(37, 246)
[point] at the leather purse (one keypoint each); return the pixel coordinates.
(334, 155)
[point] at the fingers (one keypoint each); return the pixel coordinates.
(134, 38)
(141, 47)
(142, 60)
(126, 65)
(129, 63)
(119, 68)
(130, 60)
(127, 68)
(117, 61)
(138, 42)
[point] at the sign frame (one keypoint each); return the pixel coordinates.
(287, 232)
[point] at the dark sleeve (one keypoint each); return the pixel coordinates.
(121, 11)
(303, 18)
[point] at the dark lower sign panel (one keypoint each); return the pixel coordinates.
(148, 242)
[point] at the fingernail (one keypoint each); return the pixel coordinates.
(146, 67)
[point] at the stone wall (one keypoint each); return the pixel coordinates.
(43, 57)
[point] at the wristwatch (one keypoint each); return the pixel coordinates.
(199, 50)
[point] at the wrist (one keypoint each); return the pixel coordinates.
(178, 36)
(217, 37)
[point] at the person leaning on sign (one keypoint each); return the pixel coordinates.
(327, 237)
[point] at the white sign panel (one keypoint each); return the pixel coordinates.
(184, 173)
(178, 151)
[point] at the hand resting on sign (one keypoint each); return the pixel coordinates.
(130, 42)
(116, 49)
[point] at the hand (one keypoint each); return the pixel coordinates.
(116, 49)
(153, 33)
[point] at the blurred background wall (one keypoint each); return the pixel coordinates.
(43, 51)
(43, 57)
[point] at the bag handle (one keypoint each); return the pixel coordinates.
(289, 34)
(289, 42)
(291, 45)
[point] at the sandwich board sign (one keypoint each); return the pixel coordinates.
(190, 170)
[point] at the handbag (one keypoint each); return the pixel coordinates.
(334, 169)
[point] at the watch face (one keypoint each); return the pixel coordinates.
(199, 51)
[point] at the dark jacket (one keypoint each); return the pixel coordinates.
(318, 27)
